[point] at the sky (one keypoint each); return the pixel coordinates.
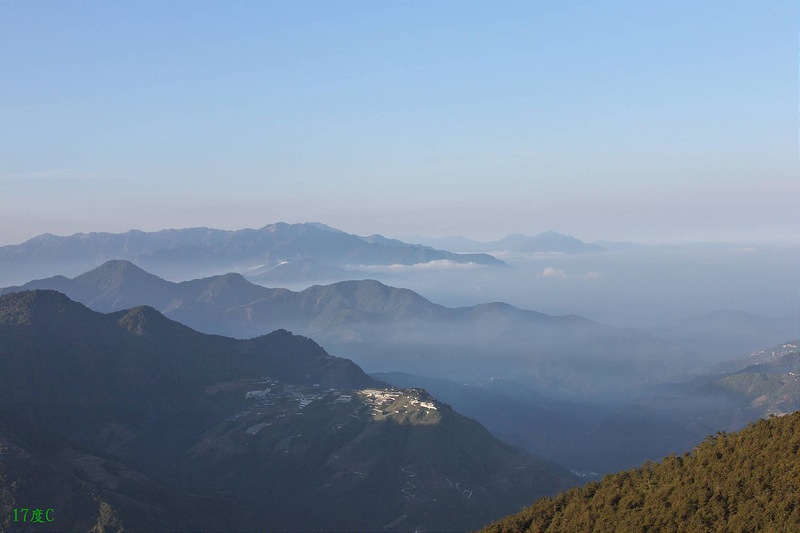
(636, 121)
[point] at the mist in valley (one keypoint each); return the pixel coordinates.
(721, 302)
(643, 287)
(598, 360)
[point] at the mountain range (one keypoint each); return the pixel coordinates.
(292, 437)
(180, 254)
(384, 328)
(546, 242)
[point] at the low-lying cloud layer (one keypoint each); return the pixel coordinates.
(551, 272)
(442, 264)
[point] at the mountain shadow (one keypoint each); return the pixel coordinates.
(296, 438)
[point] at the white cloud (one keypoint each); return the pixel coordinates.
(442, 264)
(551, 272)
(505, 254)
(591, 276)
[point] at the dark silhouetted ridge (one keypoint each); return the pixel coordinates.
(271, 419)
(34, 308)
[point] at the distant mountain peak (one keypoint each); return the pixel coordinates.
(142, 320)
(324, 227)
(232, 278)
(231, 284)
(114, 273)
(29, 307)
(276, 226)
(119, 264)
(545, 242)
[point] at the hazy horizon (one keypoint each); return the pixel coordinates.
(627, 286)
(482, 237)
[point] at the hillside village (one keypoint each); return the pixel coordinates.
(283, 421)
(772, 354)
(273, 402)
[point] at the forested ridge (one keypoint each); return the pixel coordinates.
(744, 481)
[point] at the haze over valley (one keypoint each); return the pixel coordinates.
(561, 386)
(627, 285)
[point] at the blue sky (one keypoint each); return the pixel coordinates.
(647, 121)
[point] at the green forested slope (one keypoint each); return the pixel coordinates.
(745, 481)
